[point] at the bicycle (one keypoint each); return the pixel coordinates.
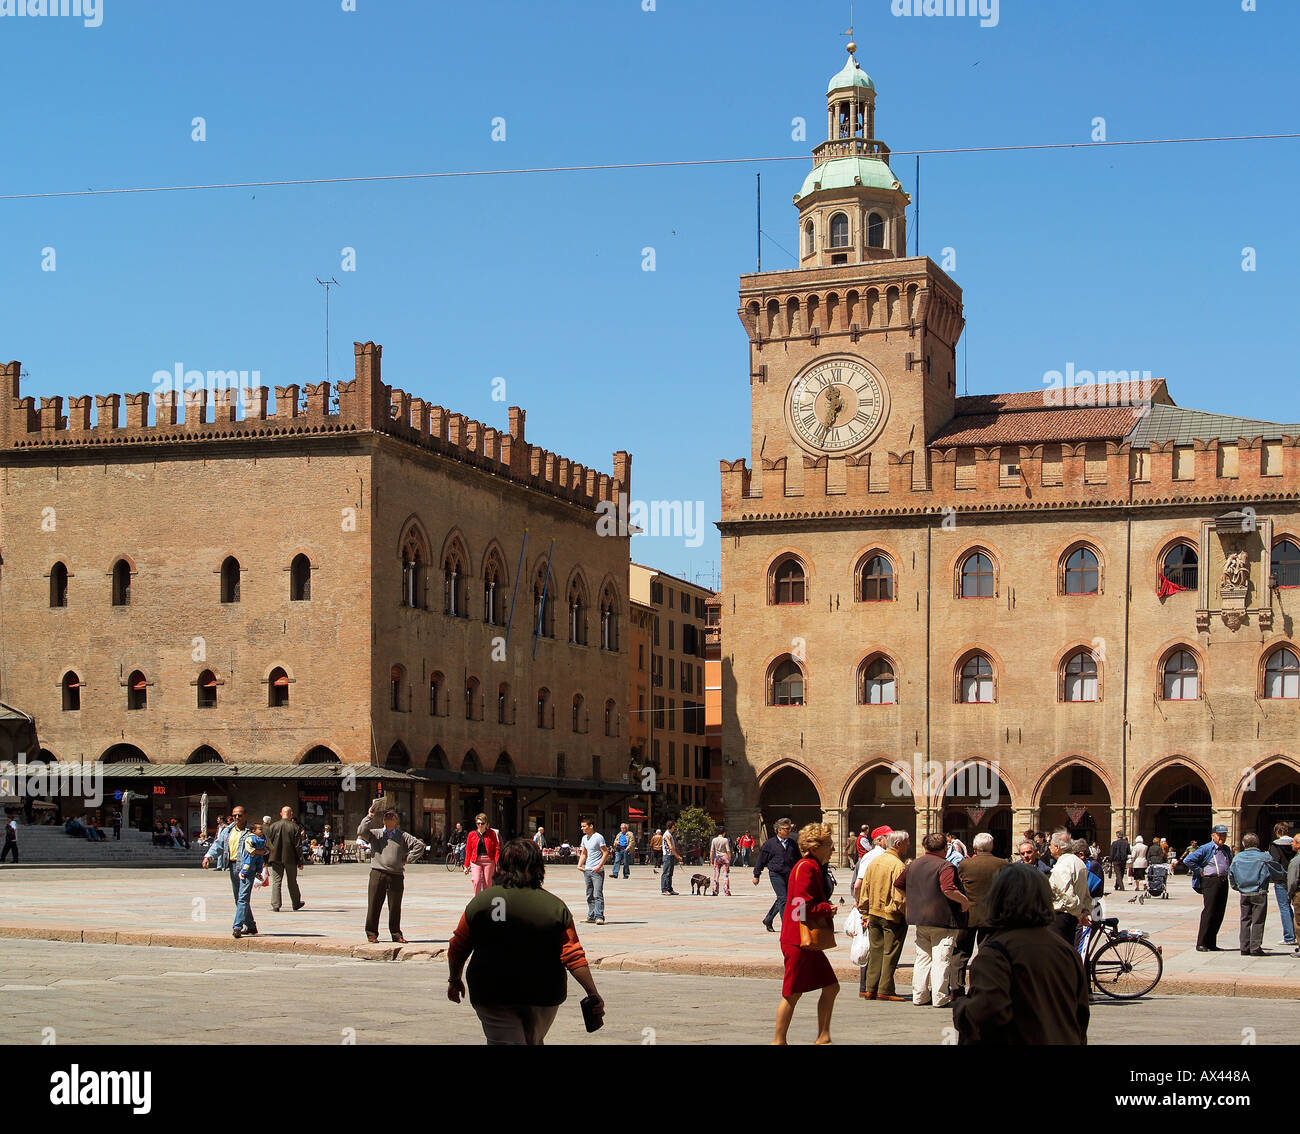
(455, 859)
(1127, 966)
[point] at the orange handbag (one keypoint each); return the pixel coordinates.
(816, 933)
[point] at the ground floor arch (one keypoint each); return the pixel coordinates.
(1076, 798)
(790, 793)
(976, 800)
(1175, 805)
(1275, 798)
(879, 797)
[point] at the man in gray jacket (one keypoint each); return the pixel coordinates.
(391, 849)
(1250, 874)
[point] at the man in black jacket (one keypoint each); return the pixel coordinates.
(284, 856)
(1119, 852)
(779, 854)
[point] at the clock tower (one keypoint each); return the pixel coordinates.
(852, 353)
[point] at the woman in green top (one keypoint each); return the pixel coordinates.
(519, 939)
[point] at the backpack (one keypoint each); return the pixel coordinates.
(1096, 883)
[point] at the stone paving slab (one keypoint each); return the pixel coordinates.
(646, 932)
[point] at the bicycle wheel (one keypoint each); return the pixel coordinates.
(452, 864)
(1127, 968)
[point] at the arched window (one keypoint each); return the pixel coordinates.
(230, 579)
(1180, 566)
(277, 689)
(809, 244)
(59, 585)
(71, 693)
(839, 231)
(396, 679)
(121, 583)
(608, 619)
(1286, 563)
(206, 690)
(876, 684)
(137, 691)
(504, 704)
(1079, 677)
(415, 572)
(495, 601)
(976, 686)
(611, 719)
(875, 231)
(1081, 574)
(454, 596)
(473, 704)
(577, 613)
(578, 715)
(876, 582)
(543, 605)
(436, 698)
(1182, 677)
(543, 708)
(785, 684)
(977, 576)
(300, 579)
(788, 586)
(1282, 675)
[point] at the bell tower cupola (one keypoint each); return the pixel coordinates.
(852, 208)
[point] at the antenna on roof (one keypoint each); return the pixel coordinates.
(965, 366)
(327, 285)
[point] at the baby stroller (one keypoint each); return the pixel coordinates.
(1157, 884)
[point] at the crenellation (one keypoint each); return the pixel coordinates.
(196, 408)
(226, 407)
(473, 439)
(79, 407)
(256, 399)
(286, 402)
(164, 408)
(318, 401)
(456, 423)
(106, 406)
(51, 413)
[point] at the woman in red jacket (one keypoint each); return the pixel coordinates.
(482, 849)
(807, 969)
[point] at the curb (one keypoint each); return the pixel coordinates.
(1267, 988)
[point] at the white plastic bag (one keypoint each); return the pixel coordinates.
(853, 922)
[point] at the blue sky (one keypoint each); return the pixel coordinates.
(1118, 258)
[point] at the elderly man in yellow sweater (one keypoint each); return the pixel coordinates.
(884, 913)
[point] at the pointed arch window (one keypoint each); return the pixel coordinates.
(396, 683)
(71, 692)
(1286, 563)
(608, 619)
(1181, 566)
(876, 580)
(437, 695)
(611, 719)
(505, 704)
(876, 682)
(809, 243)
(495, 602)
(473, 702)
(786, 682)
(577, 613)
(1181, 677)
(230, 580)
(788, 583)
(543, 605)
(1081, 572)
(454, 595)
(206, 690)
(300, 579)
(976, 684)
(545, 718)
(1079, 678)
(1282, 675)
(58, 585)
(415, 572)
(277, 689)
(578, 716)
(977, 578)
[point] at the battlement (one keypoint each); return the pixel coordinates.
(226, 410)
(989, 478)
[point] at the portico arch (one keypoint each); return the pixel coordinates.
(789, 791)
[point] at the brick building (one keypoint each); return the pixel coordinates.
(302, 604)
(1072, 606)
(678, 744)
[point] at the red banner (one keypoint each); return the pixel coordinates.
(1164, 588)
(975, 814)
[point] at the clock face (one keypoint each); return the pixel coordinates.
(836, 406)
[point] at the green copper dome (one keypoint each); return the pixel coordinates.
(846, 172)
(851, 76)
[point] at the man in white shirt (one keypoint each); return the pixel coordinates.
(540, 838)
(877, 837)
(592, 856)
(1069, 881)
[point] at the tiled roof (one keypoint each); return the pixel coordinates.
(1032, 427)
(1071, 397)
(1183, 426)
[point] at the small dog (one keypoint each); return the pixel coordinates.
(700, 883)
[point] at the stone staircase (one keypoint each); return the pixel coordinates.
(50, 846)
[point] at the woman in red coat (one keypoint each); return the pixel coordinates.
(807, 969)
(482, 849)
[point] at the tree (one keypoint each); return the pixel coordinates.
(694, 825)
